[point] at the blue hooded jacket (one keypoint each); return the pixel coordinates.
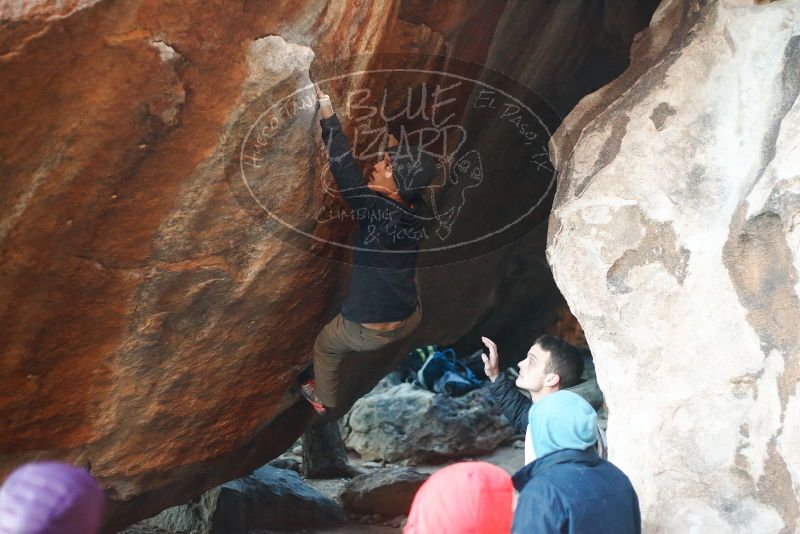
(561, 420)
(569, 488)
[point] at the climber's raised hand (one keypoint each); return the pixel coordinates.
(325, 107)
(319, 91)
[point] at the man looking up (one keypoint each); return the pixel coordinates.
(382, 305)
(550, 365)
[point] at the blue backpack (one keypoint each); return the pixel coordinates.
(442, 372)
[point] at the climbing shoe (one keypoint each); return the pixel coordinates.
(307, 391)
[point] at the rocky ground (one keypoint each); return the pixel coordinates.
(508, 456)
(396, 436)
(394, 460)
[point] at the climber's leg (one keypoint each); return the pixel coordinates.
(340, 337)
(336, 339)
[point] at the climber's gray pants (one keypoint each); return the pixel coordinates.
(341, 336)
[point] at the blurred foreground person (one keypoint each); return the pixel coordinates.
(50, 498)
(463, 498)
(569, 488)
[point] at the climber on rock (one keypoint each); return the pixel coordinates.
(382, 304)
(550, 365)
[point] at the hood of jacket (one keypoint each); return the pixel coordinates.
(562, 420)
(463, 498)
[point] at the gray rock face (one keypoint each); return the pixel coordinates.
(385, 492)
(275, 499)
(675, 238)
(412, 425)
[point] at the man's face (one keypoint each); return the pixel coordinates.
(532, 375)
(380, 179)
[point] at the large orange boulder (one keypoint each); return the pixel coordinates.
(155, 306)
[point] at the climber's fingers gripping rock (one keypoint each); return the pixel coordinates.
(325, 107)
(319, 91)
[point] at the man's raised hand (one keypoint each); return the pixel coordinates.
(491, 363)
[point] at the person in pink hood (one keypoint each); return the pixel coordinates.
(463, 498)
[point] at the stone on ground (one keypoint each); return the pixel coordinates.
(404, 423)
(270, 498)
(388, 492)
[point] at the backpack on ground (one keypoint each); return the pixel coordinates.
(442, 372)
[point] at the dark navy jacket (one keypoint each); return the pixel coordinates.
(574, 492)
(386, 245)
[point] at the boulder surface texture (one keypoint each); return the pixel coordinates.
(675, 238)
(151, 328)
(405, 423)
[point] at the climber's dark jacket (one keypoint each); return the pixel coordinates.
(386, 245)
(573, 492)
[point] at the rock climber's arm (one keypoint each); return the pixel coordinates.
(343, 165)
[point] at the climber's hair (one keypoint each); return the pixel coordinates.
(565, 360)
